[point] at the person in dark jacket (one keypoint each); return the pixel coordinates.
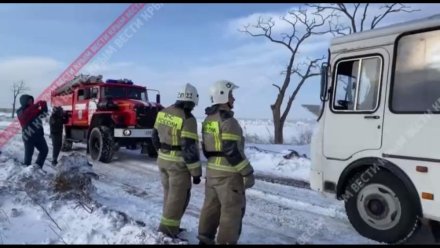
(29, 116)
(57, 119)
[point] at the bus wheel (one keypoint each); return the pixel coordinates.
(381, 209)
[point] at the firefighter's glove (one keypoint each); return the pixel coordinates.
(249, 181)
(196, 180)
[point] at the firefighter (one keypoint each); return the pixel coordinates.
(175, 137)
(228, 172)
(57, 119)
(29, 116)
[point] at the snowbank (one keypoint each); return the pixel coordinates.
(33, 211)
(261, 131)
(273, 161)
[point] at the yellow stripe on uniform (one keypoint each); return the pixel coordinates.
(241, 165)
(229, 168)
(230, 136)
(169, 222)
(193, 165)
(213, 128)
(219, 167)
(174, 141)
(186, 134)
(170, 157)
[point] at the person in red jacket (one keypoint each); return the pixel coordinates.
(29, 116)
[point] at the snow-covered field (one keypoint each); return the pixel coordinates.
(261, 131)
(126, 203)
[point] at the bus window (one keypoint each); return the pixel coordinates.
(357, 90)
(416, 84)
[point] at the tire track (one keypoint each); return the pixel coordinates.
(283, 181)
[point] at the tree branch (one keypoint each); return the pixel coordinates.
(342, 9)
(279, 89)
(364, 15)
(18, 88)
(312, 65)
(389, 8)
(301, 26)
(266, 27)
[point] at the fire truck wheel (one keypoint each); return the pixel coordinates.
(66, 146)
(380, 207)
(101, 144)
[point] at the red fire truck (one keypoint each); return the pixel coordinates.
(107, 115)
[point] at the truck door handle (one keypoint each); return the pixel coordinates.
(372, 117)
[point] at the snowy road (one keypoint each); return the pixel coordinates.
(275, 214)
(130, 184)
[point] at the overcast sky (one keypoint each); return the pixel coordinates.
(196, 43)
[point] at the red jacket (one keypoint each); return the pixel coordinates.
(27, 115)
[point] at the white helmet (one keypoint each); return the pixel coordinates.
(219, 91)
(188, 93)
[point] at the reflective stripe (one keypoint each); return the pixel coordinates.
(217, 147)
(174, 141)
(169, 222)
(174, 137)
(229, 168)
(230, 136)
(221, 167)
(193, 165)
(213, 128)
(218, 160)
(186, 134)
(170, 157)
(241, 165)
(169, 120)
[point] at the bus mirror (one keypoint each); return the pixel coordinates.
(324, 81)
(157, 98)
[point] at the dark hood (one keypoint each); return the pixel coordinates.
(211, 110)
(57, 112)
(185, 105)
(24, 99)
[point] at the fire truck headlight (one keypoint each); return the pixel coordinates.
(127, 132)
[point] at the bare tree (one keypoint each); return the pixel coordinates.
(17, 88)
(302, 26)
(358, 14)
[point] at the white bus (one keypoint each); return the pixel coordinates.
(377, 144)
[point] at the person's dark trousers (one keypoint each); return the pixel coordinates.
(57, 141)
(38, 142)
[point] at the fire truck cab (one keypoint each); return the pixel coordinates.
(107, 115)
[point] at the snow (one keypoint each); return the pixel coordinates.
(34, 213)
(269, 160)
(124, 204)
(261, 131)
